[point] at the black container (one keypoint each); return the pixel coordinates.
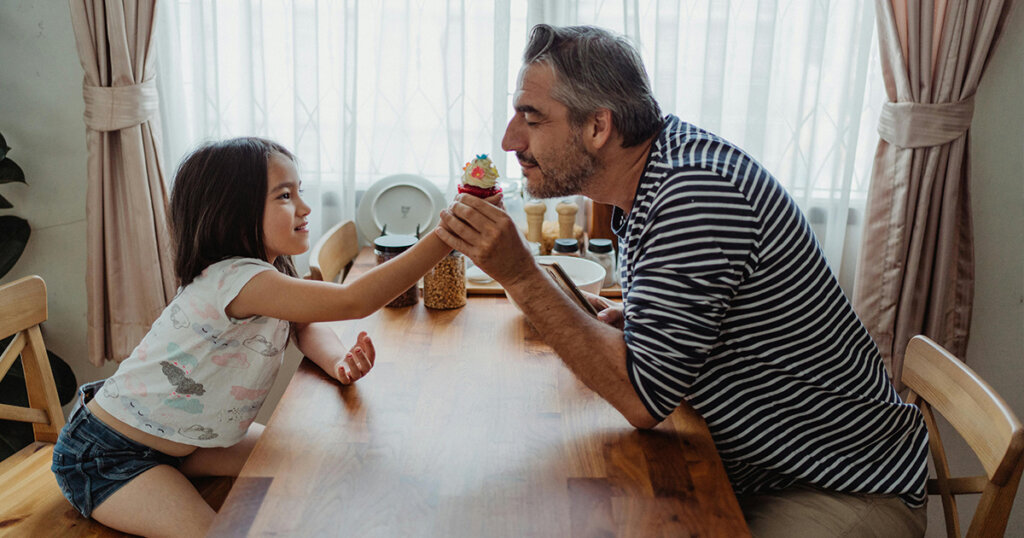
(387, 247)
(566, 247)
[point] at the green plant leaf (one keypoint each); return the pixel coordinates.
(14, 232)
(4, 204)
(4, 148)
(9, 171)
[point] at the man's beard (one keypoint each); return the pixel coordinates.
(572, 169)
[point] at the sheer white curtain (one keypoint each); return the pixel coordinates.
(358, 90)
(796, 83)
(361, 90)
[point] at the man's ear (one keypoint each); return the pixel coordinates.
(599, 128)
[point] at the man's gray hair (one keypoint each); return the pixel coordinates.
(594, 69)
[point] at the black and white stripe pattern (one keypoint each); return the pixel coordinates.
(730, 305)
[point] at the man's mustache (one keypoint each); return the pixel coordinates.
(524, 159)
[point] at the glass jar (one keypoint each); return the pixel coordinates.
(600, 250)
(566, 247)
(512, 199)
(444, 286)
(387, 247)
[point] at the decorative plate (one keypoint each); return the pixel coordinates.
(402, 203)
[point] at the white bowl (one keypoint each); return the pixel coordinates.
(588, 275)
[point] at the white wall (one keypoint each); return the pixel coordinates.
(996, 347)
(41, 116)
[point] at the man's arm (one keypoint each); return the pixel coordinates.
(594, 351)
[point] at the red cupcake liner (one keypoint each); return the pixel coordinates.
(479, 192)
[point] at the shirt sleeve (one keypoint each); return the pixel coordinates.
(235, 276)
(694, 253)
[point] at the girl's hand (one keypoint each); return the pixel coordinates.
(357, 362)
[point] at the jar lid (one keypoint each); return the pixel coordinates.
(566, 245)
(600, 246)
(394, 243)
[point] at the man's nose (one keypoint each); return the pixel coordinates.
(513, 139)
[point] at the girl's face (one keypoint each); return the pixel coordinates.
(285, 230)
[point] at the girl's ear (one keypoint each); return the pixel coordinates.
(598, 129)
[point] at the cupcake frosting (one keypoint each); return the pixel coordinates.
(480, 172)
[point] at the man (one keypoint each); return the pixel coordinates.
(728, 303)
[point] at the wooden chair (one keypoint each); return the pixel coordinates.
(332, 255)
(939, 381)
(31, 503)
(27, 487)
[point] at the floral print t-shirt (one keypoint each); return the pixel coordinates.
(199, 377)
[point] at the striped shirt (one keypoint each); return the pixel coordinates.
(730, 304)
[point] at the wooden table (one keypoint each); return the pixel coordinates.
(469, 425)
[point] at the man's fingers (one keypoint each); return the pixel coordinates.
(451, 239)
(459, 224)
(484, 206)
(498, 200)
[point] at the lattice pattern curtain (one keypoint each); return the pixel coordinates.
(358, 90)
(377, 87)
(916, 271)
(129, 276)
(794, 83)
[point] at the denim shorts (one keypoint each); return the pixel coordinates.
(92, 461)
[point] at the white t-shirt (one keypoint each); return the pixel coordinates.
(199, 377)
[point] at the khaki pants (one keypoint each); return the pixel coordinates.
(803, 510)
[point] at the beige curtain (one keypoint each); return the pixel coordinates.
(129, 276)
(915, 274)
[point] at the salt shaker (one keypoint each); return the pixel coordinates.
(565, 246)
(534, 225)
(566, 219)
(600, 250)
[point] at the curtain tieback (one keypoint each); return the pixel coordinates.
(119, 107)
(921, 125)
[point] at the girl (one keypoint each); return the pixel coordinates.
(183, 403)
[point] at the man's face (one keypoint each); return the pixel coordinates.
(550, 149)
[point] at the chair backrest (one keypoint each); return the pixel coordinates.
(22, 309)
(939, 381)
(334, 252)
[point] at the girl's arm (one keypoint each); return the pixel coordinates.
(276, 295)
(318, 342)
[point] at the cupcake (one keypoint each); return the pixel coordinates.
(480, 177)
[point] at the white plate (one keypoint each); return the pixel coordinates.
(476, 274)
(401, 202)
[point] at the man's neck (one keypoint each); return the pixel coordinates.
(620, 173)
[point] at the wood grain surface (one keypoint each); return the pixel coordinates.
(469, 425)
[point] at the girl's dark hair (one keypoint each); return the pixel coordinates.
(217, 202)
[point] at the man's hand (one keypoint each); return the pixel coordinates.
(607, 311)
(488, 236)
(357, 362)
